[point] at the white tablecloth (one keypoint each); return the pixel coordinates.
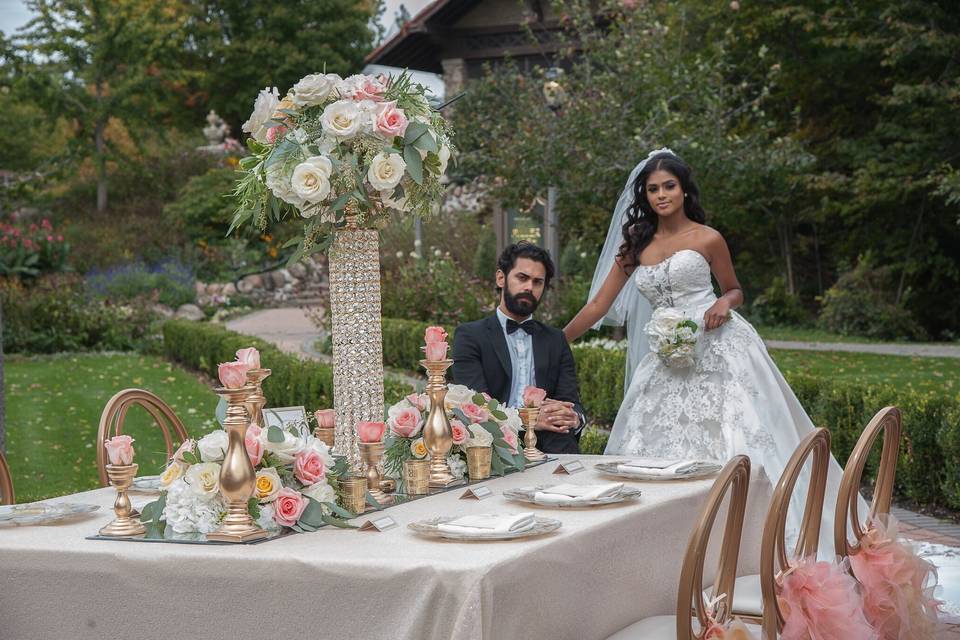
(603, 569)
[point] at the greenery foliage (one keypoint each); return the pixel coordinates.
(432, 289)
(169, 283)
(778, 307)
(28, 250)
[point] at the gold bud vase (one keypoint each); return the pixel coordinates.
(529, 416)
(255, 400)
(372, 455)
(437, 434)
(125, 524)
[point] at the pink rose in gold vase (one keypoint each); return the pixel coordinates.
(233, 375)
(308, 466)
(436, 351)
(371, 431)
(250, 356)
(474, 413)
(254, 444)
(460, 432)
(533, 396)
(510, 438)
(289, 507)
(434, 334)
(120, 450)
(326, 418)
(406, 423)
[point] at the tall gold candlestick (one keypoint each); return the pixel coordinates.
(529, 416)
(126, 523)
(237, 477)
(437, 434)
(255, 400)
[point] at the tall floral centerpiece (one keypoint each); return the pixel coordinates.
(344, 155)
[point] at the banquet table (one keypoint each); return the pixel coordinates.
(604, 568)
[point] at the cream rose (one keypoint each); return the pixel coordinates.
(315, 88)
(171, 473)
(263, 109)
(268, 485)
(287, 450)
(341, 119)
(418, 448)
(204, 478)
(213, 446)
(311, 179)
(386, 171)
(444, 156)
(458, 394)
(321, 492)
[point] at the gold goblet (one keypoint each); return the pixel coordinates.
(372, 454)
(529, 416)
(437, 435)
(237, 477)
(125, 524)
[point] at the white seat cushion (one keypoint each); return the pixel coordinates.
(655, 628)
(747, 597)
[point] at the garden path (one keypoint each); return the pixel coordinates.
(887, 349)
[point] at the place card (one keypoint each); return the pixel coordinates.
(571, 467)
(477, 493)
(379, 524)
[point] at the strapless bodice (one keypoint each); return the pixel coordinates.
(681, 281)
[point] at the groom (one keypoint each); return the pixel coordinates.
(506, 352)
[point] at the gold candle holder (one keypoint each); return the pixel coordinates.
(529, 416)
(325, 435)
(437, 435)
(237, 477)
(255, 400)
(416, 476)
(353, 493)
(478, 462)
(372, 455)
(125, 524)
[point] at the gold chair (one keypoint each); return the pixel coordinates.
(115, 413)
(735, 479)
(6, 483)
(887, 421)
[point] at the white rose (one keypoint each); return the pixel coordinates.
(479, 437)
(204, 478)
(213, 446)
(663, 325)
(444, 155)
(350, 85)
(341, 119)
(315, 88)
(320, 447)
(513, 419)
(274, 485)
(170, 474)
(287, 450)
(400, 204)
(321, 492)
(458, 394)
(263, 109)
(311, 179)
(386, 171)
(279, 184)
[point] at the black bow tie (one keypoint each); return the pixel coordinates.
(530, 326)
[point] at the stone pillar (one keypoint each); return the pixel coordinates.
(454, 79)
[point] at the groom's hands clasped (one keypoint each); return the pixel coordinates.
(558, 416)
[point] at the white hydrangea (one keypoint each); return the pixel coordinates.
(188, 512)
(321, 492)
(266, 521)
(457, 466)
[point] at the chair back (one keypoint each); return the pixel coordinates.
(886, 421)
(735, 479)
(115, 413)
(773, 553)
(6, 483)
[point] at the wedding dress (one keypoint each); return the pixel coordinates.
(733, 400)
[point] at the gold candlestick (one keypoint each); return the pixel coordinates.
(437, 435)
(237, 477)
(529, 416)
(125, 524)
(255, 400)
(372, 454)
(325, 435)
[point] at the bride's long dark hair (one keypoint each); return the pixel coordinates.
(642, 220)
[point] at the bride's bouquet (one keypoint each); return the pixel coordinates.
(673, 337)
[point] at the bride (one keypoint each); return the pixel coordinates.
(732, 399)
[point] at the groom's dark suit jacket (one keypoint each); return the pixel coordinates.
(481, 361)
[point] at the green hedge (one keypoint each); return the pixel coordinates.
(293, 382)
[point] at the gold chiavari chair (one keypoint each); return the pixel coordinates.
(733, 479)
(888, 422)
(7, 495)
(115, 413)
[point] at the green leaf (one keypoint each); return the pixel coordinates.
(414, 164)
(152, 517)
(340, 511)
(426, 142)
(313, 515)
(221, 411)
(478, 399)
(499, 415)
(291, 242)
(336, 522)
(415, 131)
(275, 434)
(373, 502)
(253, 507)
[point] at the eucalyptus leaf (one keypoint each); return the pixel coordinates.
(499, 415)
(275, 434)
(414, 164)
(415, 130)
(373, 502)
(479, 400)
(312, 515)
(337, 523)
(221, 411)
(337, 509)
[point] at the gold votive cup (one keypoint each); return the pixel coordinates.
(325, 435)
(353, 493)
(478, 462)
(416, 476)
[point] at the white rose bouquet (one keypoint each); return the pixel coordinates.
(362, 146)
(673, 337)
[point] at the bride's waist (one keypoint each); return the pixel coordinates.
(693, 304)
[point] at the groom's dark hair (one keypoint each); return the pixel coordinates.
(508, 259)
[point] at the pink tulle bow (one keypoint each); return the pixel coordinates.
(897, 584)
(821, 601)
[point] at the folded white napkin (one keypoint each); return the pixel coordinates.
(489, 523)
(572, 493)
(656, 467)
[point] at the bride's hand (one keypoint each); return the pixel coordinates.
(716, 315)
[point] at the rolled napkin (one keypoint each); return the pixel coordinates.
(573, 493)
(489, 524)
(656, 467)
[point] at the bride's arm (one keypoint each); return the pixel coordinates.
(732, 294)
(598, 307)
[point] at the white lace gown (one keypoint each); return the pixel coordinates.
(732, 401)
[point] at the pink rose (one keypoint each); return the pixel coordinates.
(185, 446)
(120, 449)
(475, 414)
(533, 396)
(460, 432)
(308, 466)
(249, 355)
(254, 444)
(326, 418)
(436, 351)
(390, 121)
(434, 334)
(289, 507)
(510, 438)
(371, 431)
(419, 400)
(370, 89)
(276, 133)
(233, 375)
(406, 423)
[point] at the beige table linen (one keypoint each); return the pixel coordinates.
(604, 568)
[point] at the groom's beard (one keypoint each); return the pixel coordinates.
(522, 304)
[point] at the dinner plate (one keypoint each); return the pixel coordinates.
(527, 494)
(42, 512)
(429, 529)
(703, 470)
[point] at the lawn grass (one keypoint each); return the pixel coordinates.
(819, 335)
(53, 411)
